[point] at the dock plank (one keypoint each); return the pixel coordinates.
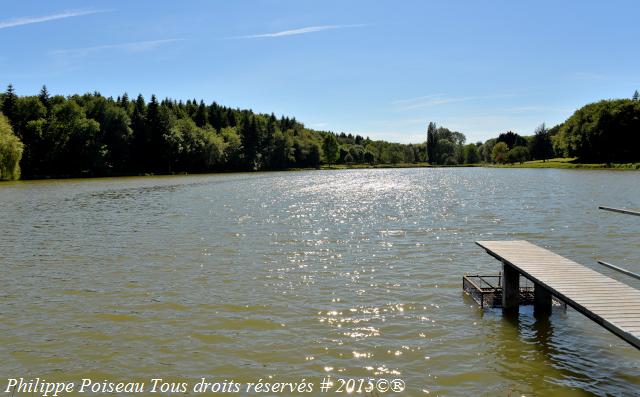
(608, 302)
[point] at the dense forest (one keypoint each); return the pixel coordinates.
(93, 135)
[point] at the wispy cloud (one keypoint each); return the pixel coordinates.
(537, 109)
(134, 46)
(10, 23)
(294, 32)
(588, 76)
(439, 99)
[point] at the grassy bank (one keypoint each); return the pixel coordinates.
(571, 163)
(561, 163)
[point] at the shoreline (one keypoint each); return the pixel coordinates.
(557, 163)
(549, 164)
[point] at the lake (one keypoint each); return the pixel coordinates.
(353, 273)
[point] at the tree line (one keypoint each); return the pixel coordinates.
(93, 135)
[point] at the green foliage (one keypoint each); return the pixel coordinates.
(95, 135)
(512, 139)
(92, 135)
(518, 154)
(471, 155)
(330, 147)
(397, 154)
(44, 97)
(431, 142)
(348, 159)
(446, 152)
(10, 151)
(499, 153)
(444, 146)
(369, 157)
(541, 147)
(9, 104)
(486, 150)
(601, 132)
(605, 131)
(233, 147)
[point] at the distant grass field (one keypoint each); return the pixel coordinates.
(563, 163)
(570, 163)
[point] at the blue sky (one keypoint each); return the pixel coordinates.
(377, 68)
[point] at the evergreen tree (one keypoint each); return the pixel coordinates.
(124, 103)
(89, 134)
(9, 105)
(44, 97)
(330, 148)
(201, 117)
(432, 141)
(140, 134)
(216, 117)
(249, 136)
(636, 96)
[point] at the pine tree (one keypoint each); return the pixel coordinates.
(44, 97)
(215, 117)
(139, 127)
(201, 117)
(9, 105)
(124, 102)
(153, 125)
(249, 135)
(636, 96)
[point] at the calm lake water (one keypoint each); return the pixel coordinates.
(295, 275)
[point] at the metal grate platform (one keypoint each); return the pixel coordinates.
(487, 290)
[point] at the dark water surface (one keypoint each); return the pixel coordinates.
(302, 274)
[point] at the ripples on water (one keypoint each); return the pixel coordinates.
(348, 273)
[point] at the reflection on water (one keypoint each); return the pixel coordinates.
(304, 274)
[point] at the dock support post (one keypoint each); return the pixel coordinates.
(510, 289)
(541, 301)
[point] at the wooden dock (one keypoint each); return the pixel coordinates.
(608, 302)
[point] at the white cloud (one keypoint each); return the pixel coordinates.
(538, 109)
(9, 23)
(439, 99)
(134, 46)
(293, 32)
